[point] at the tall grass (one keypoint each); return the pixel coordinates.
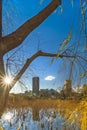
(72, 111)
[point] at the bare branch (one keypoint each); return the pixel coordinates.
(84, 59)
(29, 61)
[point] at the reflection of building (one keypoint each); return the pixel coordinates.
(35, 85)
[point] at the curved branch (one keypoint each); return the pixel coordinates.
(28, 62)
(13, 40)
(32, 58)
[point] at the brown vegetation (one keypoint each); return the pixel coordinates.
(70, 110)
(62, 106)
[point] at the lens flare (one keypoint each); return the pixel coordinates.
(7, 116)
(8, 80)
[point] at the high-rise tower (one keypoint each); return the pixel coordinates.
(35, 85)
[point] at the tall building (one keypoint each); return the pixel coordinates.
(35, 85)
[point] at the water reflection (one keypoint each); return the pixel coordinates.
(28, 119)
(22, 119)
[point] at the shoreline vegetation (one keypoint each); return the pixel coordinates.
(73, 111)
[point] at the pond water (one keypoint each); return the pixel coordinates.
(22, 119)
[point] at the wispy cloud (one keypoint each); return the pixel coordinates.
(50, 77)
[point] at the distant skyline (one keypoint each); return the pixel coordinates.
(47, 37)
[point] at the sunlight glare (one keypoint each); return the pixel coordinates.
(7, 80)
(7, 116)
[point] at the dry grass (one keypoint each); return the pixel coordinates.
(64, 108)
(21, 101)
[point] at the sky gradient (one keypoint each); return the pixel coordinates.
(46, 37)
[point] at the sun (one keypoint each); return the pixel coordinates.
(8, 80)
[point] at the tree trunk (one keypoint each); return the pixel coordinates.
(0, 18)
(4, 92)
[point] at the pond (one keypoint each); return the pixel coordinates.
(22, 119)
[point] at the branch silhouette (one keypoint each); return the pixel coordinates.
(32, 58)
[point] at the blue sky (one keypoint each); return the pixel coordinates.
(47, 37)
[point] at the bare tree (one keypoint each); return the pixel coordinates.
(13, 40)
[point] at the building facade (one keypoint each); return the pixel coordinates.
(35, 85)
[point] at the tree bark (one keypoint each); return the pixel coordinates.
(13, 40)
(0, 18)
